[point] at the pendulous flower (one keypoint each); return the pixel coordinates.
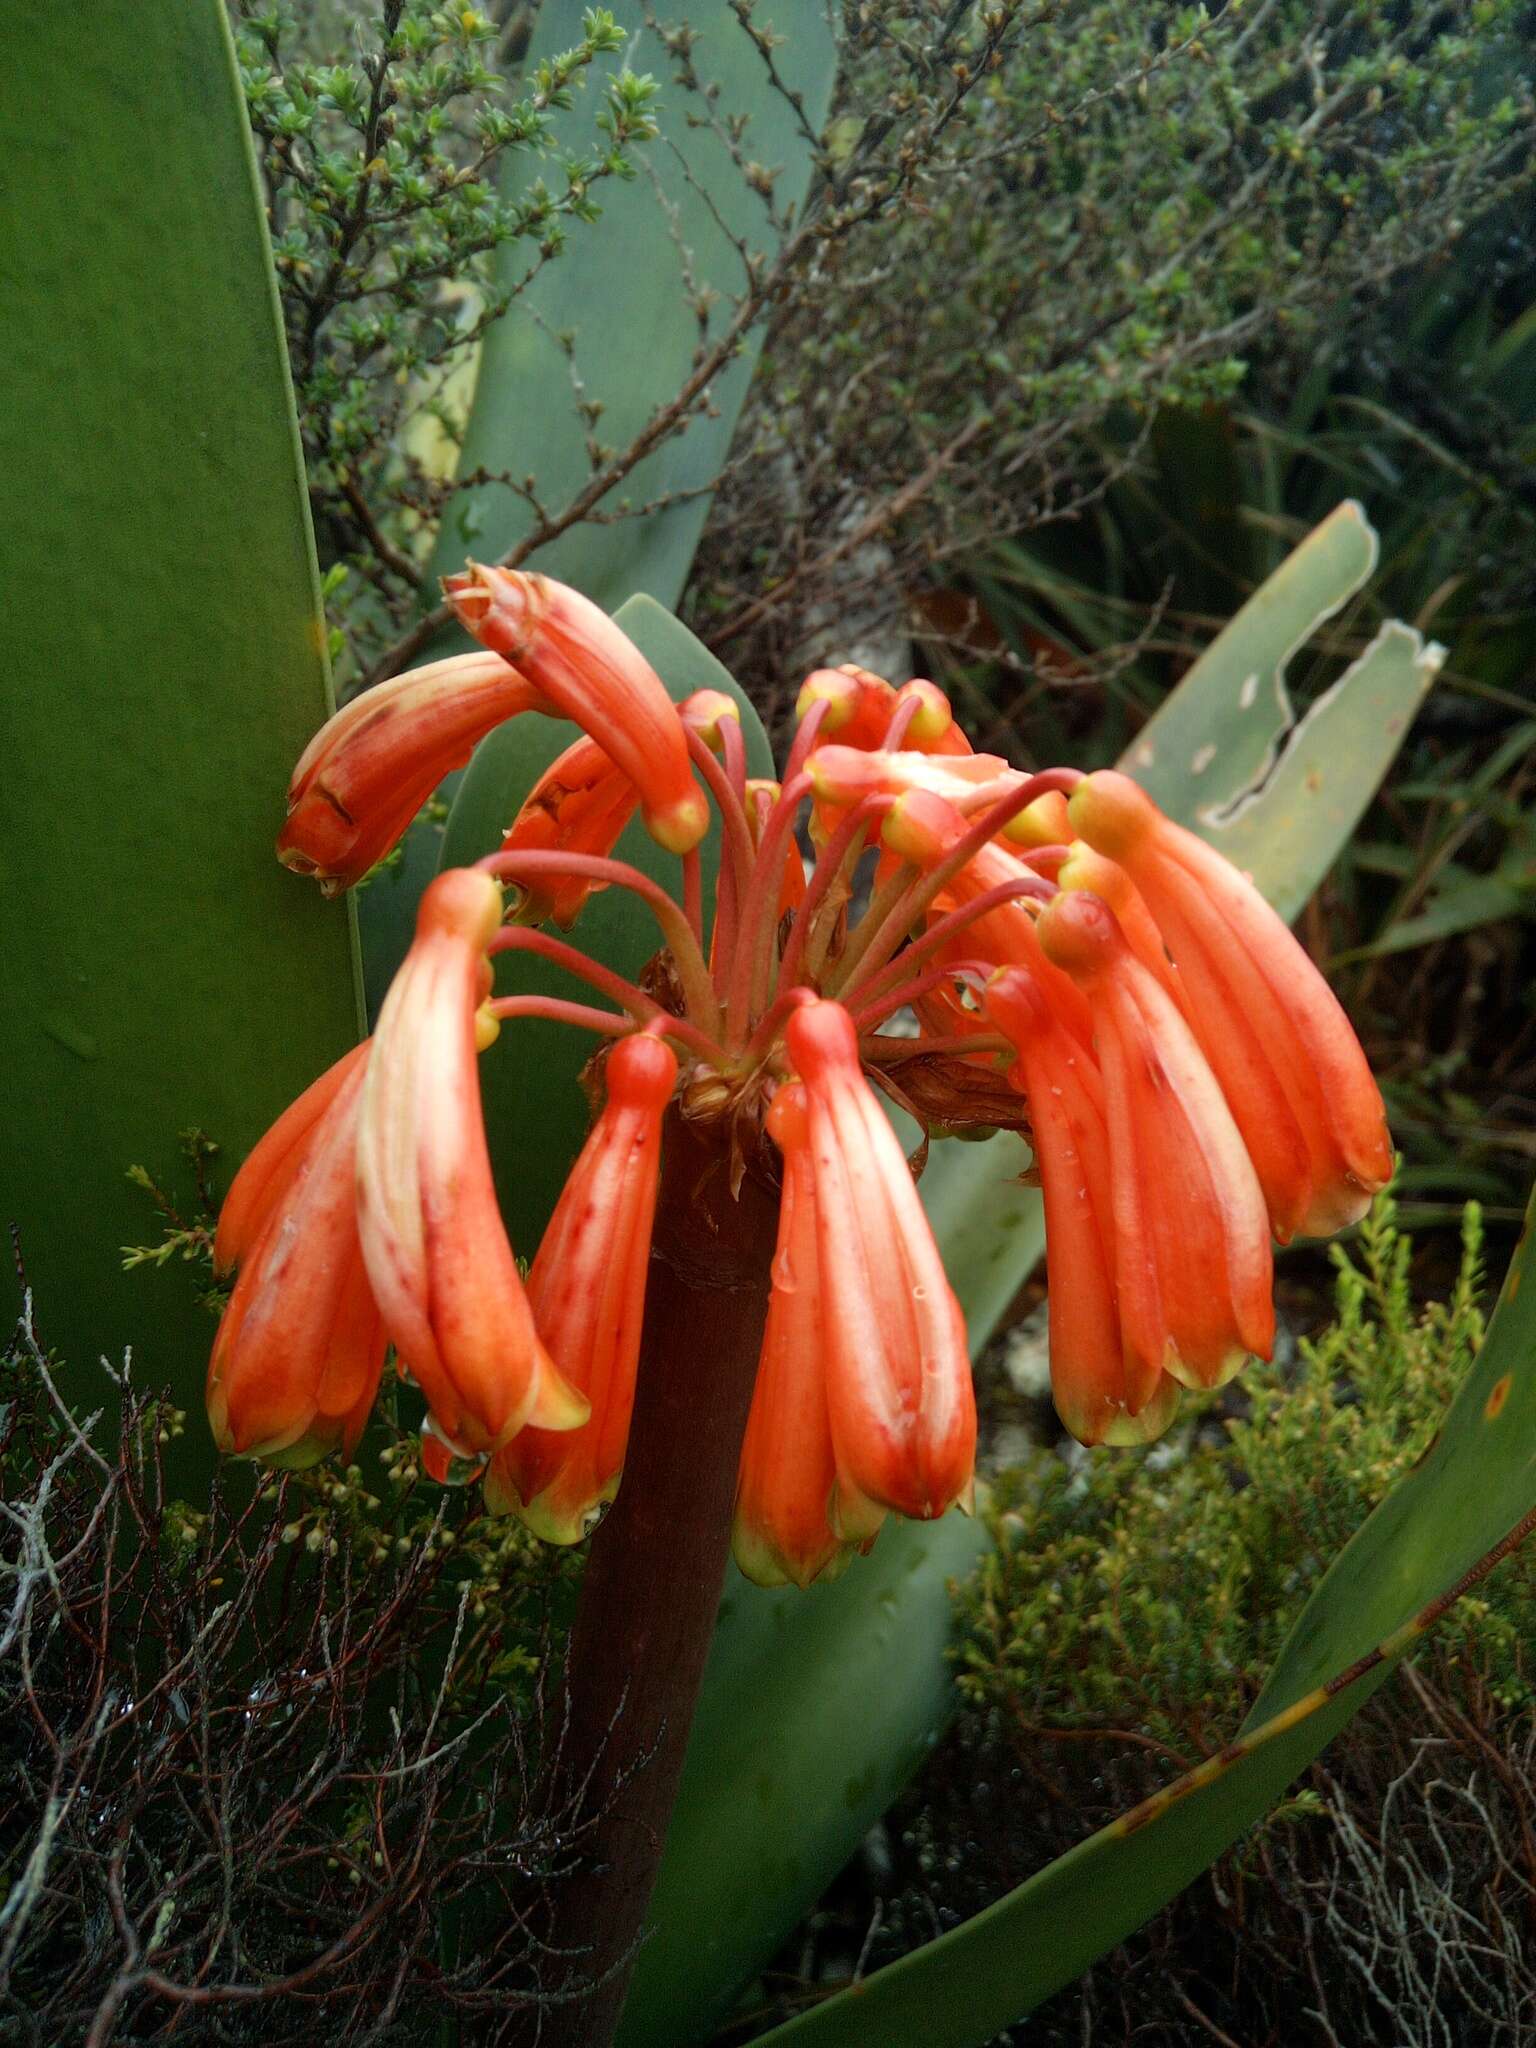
(1105, 1392)
(433, 1241)
(587, 1292)
(898, 1373)
(1077, 965)
(781, 1533)
(592, 673)
(580, 804)
(368, 771)
(1192, 1262)
(300, 1346)
(1286, 1055)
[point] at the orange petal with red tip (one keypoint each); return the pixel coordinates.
(1285, 1053)
(368, 771)
(1192, 1263)
(780, 1534)
(592, 672)
(587, 1291)
(580, 804)
(300, 1347)
(432, 1235)
(899, 1393)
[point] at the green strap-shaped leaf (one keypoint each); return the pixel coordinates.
(1215, 738)
(1472, 1490)
(536, 1114)
(1289, 830)
(162, 649)
(618, 322)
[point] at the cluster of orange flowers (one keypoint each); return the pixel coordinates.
(1192, 1089)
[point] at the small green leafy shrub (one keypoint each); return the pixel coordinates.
(1151, 1591)
(382, 140)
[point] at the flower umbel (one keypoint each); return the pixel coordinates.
(1079, 967)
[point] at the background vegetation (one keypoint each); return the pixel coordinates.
(1091, 311)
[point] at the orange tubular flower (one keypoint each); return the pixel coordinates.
(269, 1171)
(932, 729)
(580, 804)
(1106, 879)
(1285, 1053)
(368, 771)
(1103, 1394)
(437, 1254)
(781, 1534)
(299, 1351)
(1192, 1261)
(591, 672)
(859, 704)
(587, 1290)
(899, 1391)
(923, 828)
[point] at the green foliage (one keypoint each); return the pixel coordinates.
(382, 170)
(1150, 1591)
(1020, 220)
(1452, 1516)
(1133, 201)
(163, 650)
